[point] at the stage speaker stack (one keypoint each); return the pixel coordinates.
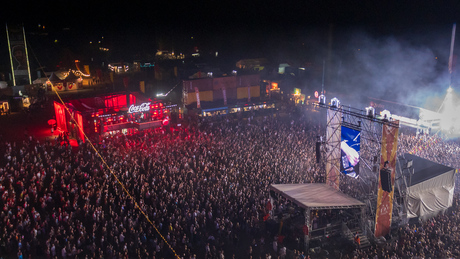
(385, 180)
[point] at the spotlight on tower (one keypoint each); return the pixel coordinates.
(370, 112)
(322, 99)
(386, 115)
(335, 102)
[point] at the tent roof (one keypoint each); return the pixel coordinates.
(424, 169)
(71, 76)
(54, 77)
(316, 196)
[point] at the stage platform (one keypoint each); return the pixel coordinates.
(316, 196)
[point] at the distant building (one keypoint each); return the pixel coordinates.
(282, 68)
(220, 90)
(164, 54)
(255, 64)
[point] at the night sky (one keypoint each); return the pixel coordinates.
(373, 47)
(234, 26)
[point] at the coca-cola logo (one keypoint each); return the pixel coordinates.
(144, 107)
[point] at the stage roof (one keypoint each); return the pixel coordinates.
(424, 169)
(316, 196)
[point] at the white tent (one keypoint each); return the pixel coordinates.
(430, 188)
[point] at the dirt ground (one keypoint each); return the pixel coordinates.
(19, 125)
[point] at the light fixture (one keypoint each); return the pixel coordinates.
(335, 102)
(370, 112)
(322, 99)
(386, 115)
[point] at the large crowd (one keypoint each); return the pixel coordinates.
(204, 188)
(435, 238)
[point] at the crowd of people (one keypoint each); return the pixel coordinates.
(431, 147)
(204, 188)
(434, 238)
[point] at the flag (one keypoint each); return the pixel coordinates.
(385, 199)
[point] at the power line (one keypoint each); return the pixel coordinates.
(110, 170)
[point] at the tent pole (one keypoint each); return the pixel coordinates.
(307, 235)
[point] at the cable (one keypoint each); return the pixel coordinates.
(110, 170)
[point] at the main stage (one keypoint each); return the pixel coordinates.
(316, 197)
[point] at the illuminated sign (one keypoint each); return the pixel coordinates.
(144, 107)
(316, 94)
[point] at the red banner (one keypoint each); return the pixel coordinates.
(386, 180)
(79, 120)
(60, 116)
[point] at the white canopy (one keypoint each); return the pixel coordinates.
(431, 188)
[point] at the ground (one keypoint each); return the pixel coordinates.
(15, 126)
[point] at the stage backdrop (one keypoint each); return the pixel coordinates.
(384, 198)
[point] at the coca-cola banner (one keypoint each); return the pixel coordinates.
(144, 107)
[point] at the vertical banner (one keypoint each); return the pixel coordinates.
(142, 86)
(60, 116)
(18, 56)
(86, 69)
(224, 93)
(386, 179)
(126, 82)
(197, 92)
(249, 94)
(79, 120)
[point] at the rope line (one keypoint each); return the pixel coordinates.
(116, 178)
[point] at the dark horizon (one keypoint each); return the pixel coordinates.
(370, 48)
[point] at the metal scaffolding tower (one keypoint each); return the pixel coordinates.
(365, 187)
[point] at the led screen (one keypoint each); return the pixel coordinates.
(350, 146)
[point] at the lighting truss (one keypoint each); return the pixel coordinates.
(366, 186)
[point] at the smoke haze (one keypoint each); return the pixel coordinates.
(396, 69)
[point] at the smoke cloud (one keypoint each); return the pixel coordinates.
(392, 69)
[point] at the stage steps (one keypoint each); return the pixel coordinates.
(365, 242)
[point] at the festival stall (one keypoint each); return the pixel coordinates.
(56, 82)
(4, 107)
(72, 82)
(109, 114)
